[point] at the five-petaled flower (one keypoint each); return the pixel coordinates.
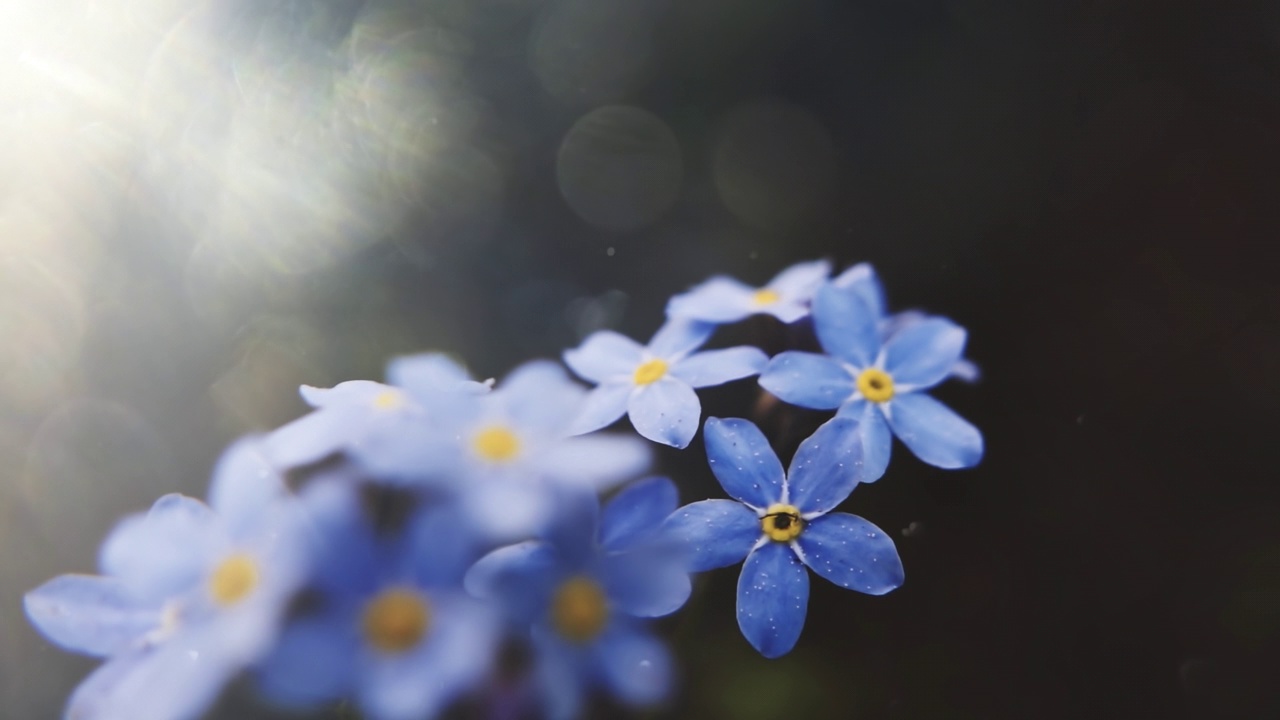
(724, 300)
(878, 383)
(782, 522)
(654, 384)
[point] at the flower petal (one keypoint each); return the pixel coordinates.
(314, 661)
(90, 614)
(678, 337)
(773, 597)
(877, 441)
(826, 467)
(351, 392)
(716, 367)
(666, 412)
(312, 437)
(605, 355)
(862, 279)
(799, 281)
(540, 395)
(718, 300)
(427, 374)
(922, 355)
(636, 512)
(245, 486)
(561, 673)
(742, 461)
(509, 567)
(808, 380)
(851, 553)
(164, 552)
(645, 583)
(603, 406)
(714, 533)
(934, 432)
(597, 461)
(845, 326)
(636, 666)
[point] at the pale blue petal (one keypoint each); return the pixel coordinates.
(826, 467)
(598, 461)
(539, 395)
(644, 583)
(851, 553)
(877, 441)
(845, 327)
(520, 576)
(716, 367)
(313, 662)
(427, 374)
(714, 533)
(636, 512)
(165, 552)
(412, 451)
(788, 311)
(605, 355)
(636, 666)
(801, 280)
(313, 436)
(773, 597)
(508, 508)
(666, 411)
(743, 462)
(603, 406)
(862, 279)
(718, 300)
(351, 392)
(934, 432)
(924, 354)
(967, 371)
(90, 614)
(808, 380)
(561, 676)
(678, 337)
(245, 486)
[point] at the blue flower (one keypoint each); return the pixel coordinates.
(725, 300)
(387, 623)
(506, 454)
(654, 384)
(782, 522)
(880, 384)
(352, 415)
(190, 594)
(862, 280)
(583, 591)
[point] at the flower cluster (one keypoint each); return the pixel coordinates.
(387, 547)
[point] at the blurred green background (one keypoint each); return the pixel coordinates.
(205, 204)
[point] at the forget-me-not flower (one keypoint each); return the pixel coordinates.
(863, 280)
(782, 522)
(189, 595)
(879, 383)
(654, 384)
(724, 299)
(583, 591)
(387, 622)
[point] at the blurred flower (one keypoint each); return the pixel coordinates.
(862, 280)
(654, 384)
(582, 591)
(880, 384)
(190, 594)
(387, 622)
(782, 522)
(508, 454)
(725, 300)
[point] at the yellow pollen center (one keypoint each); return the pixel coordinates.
(233, 579)
(395, 620)
(578, 610)
(388, 400)
(651, 371)
(496, 444)
(875, 385)
(782, 523)
(765, 297)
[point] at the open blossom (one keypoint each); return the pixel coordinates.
(724, 299)
(190, 594)
(654, 384)
(780, 523)
(880, 383)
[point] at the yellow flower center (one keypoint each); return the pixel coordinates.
(388, 400)
(233, 579)
(579, 610)
(651, 371)
(782, 523)
(496, 444)
(875, 385)
(395, 620)
(765, 297)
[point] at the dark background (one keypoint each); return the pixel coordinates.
(207, 204)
